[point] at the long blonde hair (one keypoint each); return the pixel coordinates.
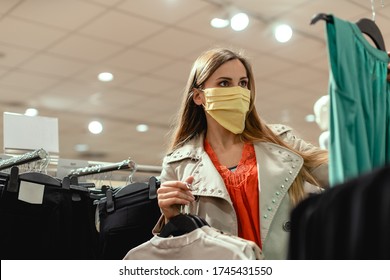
(191, 118)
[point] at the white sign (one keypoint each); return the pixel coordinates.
(30, 133)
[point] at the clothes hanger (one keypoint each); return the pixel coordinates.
(179, 225)
(321, 16)
(40, 178)
(182, 224)
(13, 182)
(199, 220)
(153, 184)
(32, 177)
(366, 26)
(132, 189)
(369, 27)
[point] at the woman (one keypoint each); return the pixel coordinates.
(229, 167)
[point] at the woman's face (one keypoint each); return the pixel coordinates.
(230, 74)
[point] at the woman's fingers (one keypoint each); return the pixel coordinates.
(171, 194)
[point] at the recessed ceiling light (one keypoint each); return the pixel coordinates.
(81, 148)
(142, 127)
(219, 22)
(310, 118)
(105, 77)
(239, 21)
(283, 33)
(95, 127)
(32, 112)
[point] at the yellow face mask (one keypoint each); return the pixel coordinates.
(228, 106)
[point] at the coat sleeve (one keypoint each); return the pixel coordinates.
(320, 173)
(168, 172)
(287, 135)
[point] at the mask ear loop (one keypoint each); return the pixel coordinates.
(199, 91)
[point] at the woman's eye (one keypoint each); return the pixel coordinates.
(224, 84)
(244, 84)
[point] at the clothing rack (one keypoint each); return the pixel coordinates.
(149, 169)
(23, 159)
(123, 165)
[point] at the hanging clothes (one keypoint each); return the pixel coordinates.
(205, 243)
(349, 221)
(359, 103)
(126, 218)
(59, 226)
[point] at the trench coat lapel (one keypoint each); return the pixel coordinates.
(277, 168)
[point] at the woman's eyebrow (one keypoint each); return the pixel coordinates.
(224, 78)
(227, 78)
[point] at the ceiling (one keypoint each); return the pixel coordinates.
(52, 50)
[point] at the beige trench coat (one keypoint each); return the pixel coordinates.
(277, 168)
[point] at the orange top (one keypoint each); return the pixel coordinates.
(242, 185)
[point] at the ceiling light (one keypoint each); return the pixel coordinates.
(105, 77)
(95, 127)
(142, 127)
(81, 148)
(283, 33)
(310, 118)
(32, 112)
(239, 21)
(219, 22)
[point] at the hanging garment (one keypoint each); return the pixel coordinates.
(349, 221)
(3, 182)
(359, 103)
(126, 218)
(57, 227)
(35, 230)
(84, 236)
(205, 243)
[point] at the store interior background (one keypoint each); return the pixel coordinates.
(51, 52)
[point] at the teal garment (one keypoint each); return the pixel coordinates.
(359, 103)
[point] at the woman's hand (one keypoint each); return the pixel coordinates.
(172, 194)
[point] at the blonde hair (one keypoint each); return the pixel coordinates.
(191, 119)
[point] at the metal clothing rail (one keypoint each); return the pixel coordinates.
(123, 165)
(23, 159)
(149, 168)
